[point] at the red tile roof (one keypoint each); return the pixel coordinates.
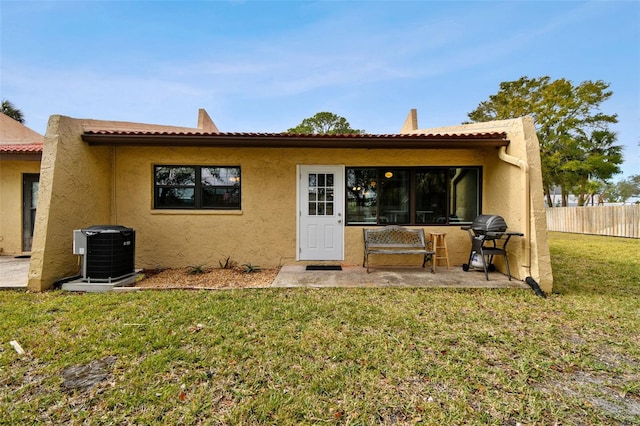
(21, 148)
(479, 135)
(294, 140)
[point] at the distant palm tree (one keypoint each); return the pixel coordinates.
(9, 110)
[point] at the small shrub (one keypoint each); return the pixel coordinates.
(227, 263)
(196, 270)
(249, 268)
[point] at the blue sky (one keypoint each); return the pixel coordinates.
(261, 66)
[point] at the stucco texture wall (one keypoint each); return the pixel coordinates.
(84, 185)
(75, 190)
(11, 174)
(517, 195)
(264, 232)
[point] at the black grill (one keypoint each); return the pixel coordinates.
(489, 238)
(491, 223)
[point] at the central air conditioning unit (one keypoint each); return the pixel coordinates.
(108, 252)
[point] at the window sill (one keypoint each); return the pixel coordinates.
(196, 212)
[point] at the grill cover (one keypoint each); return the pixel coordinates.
(488, 223)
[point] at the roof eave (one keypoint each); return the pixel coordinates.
(265, 141)
(20, 156)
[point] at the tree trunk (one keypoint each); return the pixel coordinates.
(583, 196)
(547, 191)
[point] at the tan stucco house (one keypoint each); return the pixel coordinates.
(20, 154)
(198, 195)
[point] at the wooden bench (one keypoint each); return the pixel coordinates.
(394, 239)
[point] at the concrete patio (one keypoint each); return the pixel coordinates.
(357, 276)
(14, 272)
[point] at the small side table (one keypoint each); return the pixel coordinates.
(439, 244)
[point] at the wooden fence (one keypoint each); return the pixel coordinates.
(616, 221)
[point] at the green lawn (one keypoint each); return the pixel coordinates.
(339, 356)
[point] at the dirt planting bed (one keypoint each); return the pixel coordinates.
(207, 278)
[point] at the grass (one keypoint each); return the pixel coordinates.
(339, 356)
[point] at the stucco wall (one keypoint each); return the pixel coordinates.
(11, 173)
(505, 193)
(541, 257)
(75, 190)
(84, 185)
(264, 232)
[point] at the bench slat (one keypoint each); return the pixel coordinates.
(394, 239)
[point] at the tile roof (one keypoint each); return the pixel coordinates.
(294, 140)
(21, 148)
(455, 135)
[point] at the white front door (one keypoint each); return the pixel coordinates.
(321, 213)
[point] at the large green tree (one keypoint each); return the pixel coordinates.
(10, 110)
(624, 189)
(569, 125)
(325, 123)
(591, 161)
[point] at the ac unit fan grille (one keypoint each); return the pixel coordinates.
(109, 255)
